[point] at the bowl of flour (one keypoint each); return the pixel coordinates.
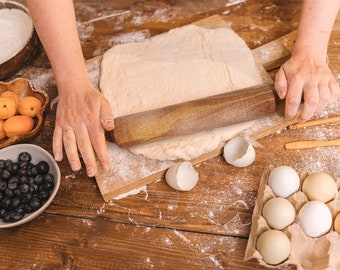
(18, 40)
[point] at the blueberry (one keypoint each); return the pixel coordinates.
(2, 164)
(24, 188)
(15, 203)
(13, 168)
(49, 178)
(6, 203)
(43, 167)
(8, 163)
(5, 174)
(24, 156)
(33, 171)
(3, 185)
(23, 171)
(16, 216)
(35, 203)
(39, 179)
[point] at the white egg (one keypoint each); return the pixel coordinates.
(279, 213)
(320, 186)
(239, 152)
(274, 246)
(182, 176)
(315, 218)
(284, 181)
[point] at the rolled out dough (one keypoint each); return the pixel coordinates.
(184, 64)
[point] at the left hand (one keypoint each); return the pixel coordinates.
(83, 115)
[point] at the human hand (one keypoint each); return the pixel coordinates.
(307, 77)
(83, 115)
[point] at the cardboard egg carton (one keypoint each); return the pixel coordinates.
(306, 252)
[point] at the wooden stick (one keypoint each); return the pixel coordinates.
(311, 144)
(314, 122)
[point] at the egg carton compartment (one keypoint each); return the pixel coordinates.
(307, 253)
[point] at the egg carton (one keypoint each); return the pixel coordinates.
(307, 253)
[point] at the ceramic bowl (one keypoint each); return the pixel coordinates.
(14, 55)
(23, 87)
(38, 154)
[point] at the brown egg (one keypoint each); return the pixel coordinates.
(12, 96)
(7, 108)
(18, 125)
(337, 223)
(29, 106)
(2, 131)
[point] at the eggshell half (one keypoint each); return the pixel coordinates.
(239, 152)
(182, 176)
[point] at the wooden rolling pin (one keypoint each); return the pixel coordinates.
(194, 116)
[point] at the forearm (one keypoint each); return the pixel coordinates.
(315, 26)
(56, 26)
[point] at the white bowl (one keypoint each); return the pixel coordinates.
(38, 154)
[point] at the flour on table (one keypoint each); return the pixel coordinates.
(184, 64)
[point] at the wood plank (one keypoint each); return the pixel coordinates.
(82, 243)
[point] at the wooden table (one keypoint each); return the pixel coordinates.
(159, 228)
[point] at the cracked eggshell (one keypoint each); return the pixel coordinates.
(182, 176)
(239, 152)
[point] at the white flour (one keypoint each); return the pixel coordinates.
(16, 28)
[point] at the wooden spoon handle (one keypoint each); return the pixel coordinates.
(311, 144)
(314, 122)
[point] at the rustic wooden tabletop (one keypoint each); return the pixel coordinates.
(159, 228)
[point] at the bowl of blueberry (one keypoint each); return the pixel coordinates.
(29, 181)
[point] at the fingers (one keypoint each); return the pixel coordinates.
(106, 116)
(70, 144)
(311, 102)
(335, 91)
(281, 86)
(80, 131)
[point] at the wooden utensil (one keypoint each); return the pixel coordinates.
(315, 122)
(194, 116)
(311, 144)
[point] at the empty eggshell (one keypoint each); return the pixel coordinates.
(274, 246)
(320, 186)
(182, 176)
(239, 152)
(279, 213)
(284, 181)
(315, 218)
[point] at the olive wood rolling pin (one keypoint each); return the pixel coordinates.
(194, 116)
